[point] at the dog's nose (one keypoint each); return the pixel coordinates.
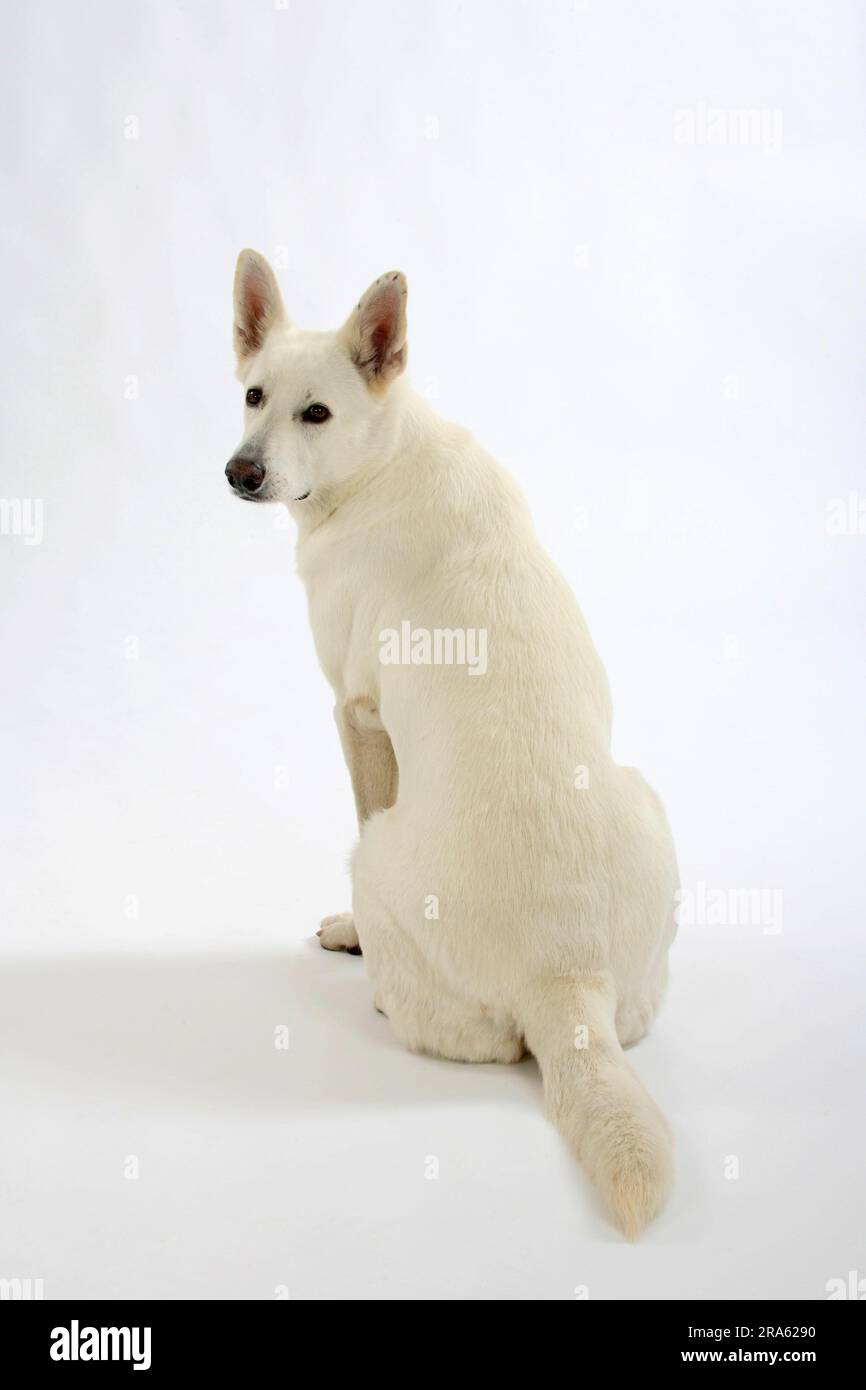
(245, 475)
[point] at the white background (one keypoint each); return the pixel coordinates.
(664, 342)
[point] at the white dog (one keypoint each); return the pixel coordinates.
(513, 888)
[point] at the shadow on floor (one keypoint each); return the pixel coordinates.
(199, 1033)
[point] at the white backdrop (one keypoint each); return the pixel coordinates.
(634, 242)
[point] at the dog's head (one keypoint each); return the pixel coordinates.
(316, 406)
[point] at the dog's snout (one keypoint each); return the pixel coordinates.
(245, 475)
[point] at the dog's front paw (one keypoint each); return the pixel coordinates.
(338, 934)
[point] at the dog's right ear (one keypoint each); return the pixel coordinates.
(258, 306)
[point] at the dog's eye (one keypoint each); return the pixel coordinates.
(316, 414)
(254, 395)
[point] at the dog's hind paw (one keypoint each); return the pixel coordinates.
(338, 934)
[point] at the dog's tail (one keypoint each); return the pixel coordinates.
(597, 1101)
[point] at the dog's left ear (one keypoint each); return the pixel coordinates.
(375, 331)
(258, 305)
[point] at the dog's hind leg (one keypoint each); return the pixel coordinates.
(428, 1013)
(430, 1016)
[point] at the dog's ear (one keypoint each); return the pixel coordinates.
(258, 306)
(375, 331)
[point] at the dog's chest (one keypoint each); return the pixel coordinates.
(343, 615)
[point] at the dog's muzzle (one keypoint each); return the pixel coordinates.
(245, 476)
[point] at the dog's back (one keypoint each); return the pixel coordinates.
(554, 865)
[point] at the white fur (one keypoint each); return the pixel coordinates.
(499, 906)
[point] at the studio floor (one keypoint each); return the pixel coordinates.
(243, 1125)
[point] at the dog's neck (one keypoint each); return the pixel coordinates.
(406, 423)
